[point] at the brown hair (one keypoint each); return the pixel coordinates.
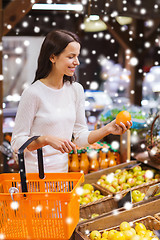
(54, 43)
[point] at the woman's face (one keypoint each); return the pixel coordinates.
(67, 61)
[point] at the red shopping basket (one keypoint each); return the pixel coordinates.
(38, 206)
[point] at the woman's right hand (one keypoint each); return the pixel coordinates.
(61, 144)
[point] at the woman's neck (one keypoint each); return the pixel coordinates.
(52, 81)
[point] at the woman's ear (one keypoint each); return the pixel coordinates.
(52, 58)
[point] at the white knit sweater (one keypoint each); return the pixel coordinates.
(47, 111)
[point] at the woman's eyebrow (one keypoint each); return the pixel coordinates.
(73, 53)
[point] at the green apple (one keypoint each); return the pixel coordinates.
(105, 234)
(103, 177)
(137, 196)
(104, 185)
(111, 189)
(85, 192)
(95, 235)
(140, 177)
(139, 182)
(125, 186)
(125, 173)
(88, 187)
(118, 188)
(97, 193)
(137, 168)
(100, 196)
(88, 196)
(129, 175)
(118, 171)
(94, 198)
(121, 179)
(131, 181)
(100, 181)
(114, 183)
(86, 200)
(94, 215)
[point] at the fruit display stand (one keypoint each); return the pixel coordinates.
(144, 213)
(88, 196)
(108, 205)
(150, 223)
(93, 177)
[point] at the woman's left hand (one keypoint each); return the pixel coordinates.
(116, 129)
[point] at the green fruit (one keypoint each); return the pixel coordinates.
(94, 198)
(94, 215)
(105, 234)
(86, 200)
(118, 188)
(121, 179)
(140, 178)
(103, 177)
(118, 171)
(124, 226)
(115, 183)
(85, 192)
(131, 181)
(97, 193)
(95, 235)
(88, 187)
(100, 181)
(137, 196)
(139, 182)
(129, 176)
(137, 168)
(125, 186)
(112, 189)
(100, 196)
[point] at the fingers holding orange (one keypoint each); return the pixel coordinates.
(125, 118)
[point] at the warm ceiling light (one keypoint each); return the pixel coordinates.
(62, 7)
(124, 20)
(94, 24)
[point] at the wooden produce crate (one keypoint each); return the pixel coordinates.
(140, 212)
(144, 187)
(150, 222)
(108, 204)
(157, 216)
(144, 167)
(102, 192)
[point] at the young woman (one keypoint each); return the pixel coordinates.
(53, 107)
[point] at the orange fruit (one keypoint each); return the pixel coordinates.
(123, 117)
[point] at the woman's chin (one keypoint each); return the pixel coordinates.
(70, 74)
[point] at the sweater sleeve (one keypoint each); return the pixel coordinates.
(80, 131)
(24, 118)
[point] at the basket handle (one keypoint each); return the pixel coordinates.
(152, 128)
(22, 165)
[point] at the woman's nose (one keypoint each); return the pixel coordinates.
(76, 62)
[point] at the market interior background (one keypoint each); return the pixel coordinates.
(120, 58)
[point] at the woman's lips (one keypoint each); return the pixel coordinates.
(72, 69)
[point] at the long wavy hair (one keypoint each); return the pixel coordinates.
(54, 43)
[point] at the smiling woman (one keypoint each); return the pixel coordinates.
(53, 107)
